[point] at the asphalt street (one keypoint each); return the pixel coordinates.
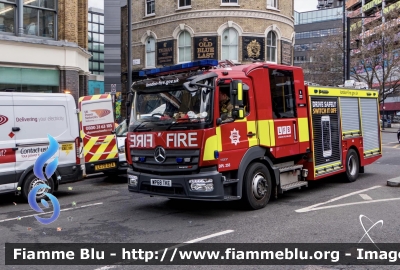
(101, 210)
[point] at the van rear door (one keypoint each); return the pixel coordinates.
(8, 180)
(97, 123)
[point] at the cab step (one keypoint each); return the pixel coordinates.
(294, 185)
(290, 168)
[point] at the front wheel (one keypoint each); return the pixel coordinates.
(352, 166)
(257, 186)
(32, 181)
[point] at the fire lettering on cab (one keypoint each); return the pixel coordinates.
(142, 140)
(182, 139)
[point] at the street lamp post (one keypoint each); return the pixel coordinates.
(383, 82)
(129, 81)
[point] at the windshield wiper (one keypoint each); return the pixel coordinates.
(142, 129)
(171, 126)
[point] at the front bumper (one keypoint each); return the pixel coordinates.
(90, 166)
(180, 186)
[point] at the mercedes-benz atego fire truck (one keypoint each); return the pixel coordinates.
(279, 135)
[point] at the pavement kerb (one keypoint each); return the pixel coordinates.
(394, 182)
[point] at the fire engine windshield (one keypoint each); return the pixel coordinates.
(172, 106)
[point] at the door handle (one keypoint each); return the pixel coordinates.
(250, 134)
(16, 129)
(15, 148)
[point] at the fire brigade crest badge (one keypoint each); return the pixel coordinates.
(235, 136)
(253, 49)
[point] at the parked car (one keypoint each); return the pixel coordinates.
(121, 131)
(398, 135)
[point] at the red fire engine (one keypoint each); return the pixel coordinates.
(279, 134)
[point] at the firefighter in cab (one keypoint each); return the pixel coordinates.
(225, 105)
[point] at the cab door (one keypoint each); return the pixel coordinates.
(284, 112)
(239, 135)
(8, 179)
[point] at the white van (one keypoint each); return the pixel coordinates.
(26, 120)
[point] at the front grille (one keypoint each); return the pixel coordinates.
(170, 164)
(163, 190)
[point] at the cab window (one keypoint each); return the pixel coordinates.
(282, 93)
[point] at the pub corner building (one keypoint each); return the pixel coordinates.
(170, 32)
(44, 46)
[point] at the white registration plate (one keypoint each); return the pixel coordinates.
(161, 182)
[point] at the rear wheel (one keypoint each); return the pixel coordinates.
(352, 166)
(32, 181)
(257, 186)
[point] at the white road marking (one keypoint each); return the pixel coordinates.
(176, 246)
(309, 208)
(208, 236)
(106, 267)
(366, 197)
(347, 204)
(66, 209)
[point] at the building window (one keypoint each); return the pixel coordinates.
(271, 47)
(230, 1)
(96, 42)
(150, 7)
(150, 52)
(185, 47)
(7, 18)
(230, 41)
(272, 4)
(184, 3)
(39, 18)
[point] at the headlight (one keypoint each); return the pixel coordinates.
(133, 180)
(121, 149)
(201, 185)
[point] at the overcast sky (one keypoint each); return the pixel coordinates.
(305, 5)
(299, 5)
(96, 4)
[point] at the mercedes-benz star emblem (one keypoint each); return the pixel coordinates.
(159, 154)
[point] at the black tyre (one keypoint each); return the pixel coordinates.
(32, 181)
(257, 186)
(352, 166)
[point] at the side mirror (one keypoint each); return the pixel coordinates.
(237, 97)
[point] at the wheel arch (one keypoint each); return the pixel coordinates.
(29, 170)
(252, 155)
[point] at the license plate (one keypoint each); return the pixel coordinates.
(161, 182)
(105, 166)
(67, 147)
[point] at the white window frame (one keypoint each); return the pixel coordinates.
(184, 6)
(228, 46)
(272, 4)
(230, 3)
(185, 47)
(271, 46)
(146, 11)
(152, 51)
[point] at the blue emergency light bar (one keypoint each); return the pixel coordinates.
(177, 68)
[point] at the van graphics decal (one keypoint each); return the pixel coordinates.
(7, 155)
(32, 152)
(101, 112)
(326, 130)
(39, 119)
(3, 119)
(98, 122)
